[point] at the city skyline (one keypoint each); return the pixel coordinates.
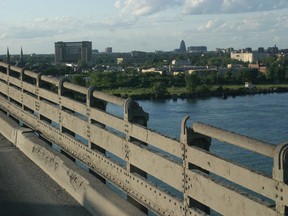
(144, 25)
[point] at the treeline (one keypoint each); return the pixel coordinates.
(110, 80)
(277, 72)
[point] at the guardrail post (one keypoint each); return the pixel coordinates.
(134, 113)
(7, 92)
(38, 85)
(61, 91)
(8, 73)
(22, 78)
(91, 101)
(22, 90)
(62, 129)
(8, 81)
(190, 138)
(280, 174)
(38, 80)
(184, 139)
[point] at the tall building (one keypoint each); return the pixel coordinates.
(8, 56)
(73, 51)
(21, 62)
(182, 46)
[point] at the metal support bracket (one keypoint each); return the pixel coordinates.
(60, 85)
(89, 96)
(185, 139)
(280, 174)
(133, 112)
(190, 138)
(38, 80)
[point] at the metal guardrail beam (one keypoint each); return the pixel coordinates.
(21, 98)
(71, 86)
(109, 98)
(51, 80)
(245, 142)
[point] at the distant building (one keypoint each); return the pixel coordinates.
(261, 68)
(234, 66)
(21, 62)
(240, 56)
(247, 56)
(73, 51)
(119, 61)
(225, 50)
(182, 48)
(152, 70)
(8, 59)
(261, 50)
(203, 71)
(95, 52)
(108, 50)
(272, 50)
(13, 60)
(197, 49)
(180, 62)
(249, 85)
(248, 50)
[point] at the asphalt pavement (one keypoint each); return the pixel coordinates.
(25, 190)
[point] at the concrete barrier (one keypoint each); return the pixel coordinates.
(85, 188)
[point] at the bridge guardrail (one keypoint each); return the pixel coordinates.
(181, 165)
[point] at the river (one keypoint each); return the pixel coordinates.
(262, 117)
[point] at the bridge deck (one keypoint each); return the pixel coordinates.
(26, 190)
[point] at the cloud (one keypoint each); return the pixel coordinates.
(250, 29)
(145, 7)
(117, 21)
(191, 7)
(195, 7)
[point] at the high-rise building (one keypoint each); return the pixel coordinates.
(73, 51)
(182, 46)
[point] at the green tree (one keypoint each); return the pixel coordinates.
(191, 81)
(78, 79)
(82, 64)
(103, 79)
(159, 89)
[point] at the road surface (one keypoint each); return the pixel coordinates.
(25, 190)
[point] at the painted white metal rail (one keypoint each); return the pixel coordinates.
(189, 174)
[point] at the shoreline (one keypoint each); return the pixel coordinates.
(224, 94)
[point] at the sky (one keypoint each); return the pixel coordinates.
(142, 25)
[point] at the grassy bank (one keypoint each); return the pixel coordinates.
(200, 91)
